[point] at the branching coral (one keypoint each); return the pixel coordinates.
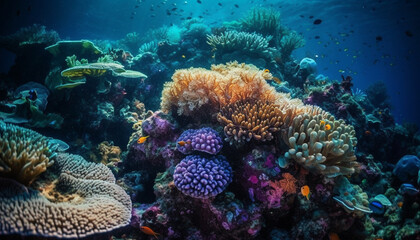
(247, 43)
(24, 154)
(288, 43)
(322, 144)
(262, 20)
(246, 120)
(150, 47)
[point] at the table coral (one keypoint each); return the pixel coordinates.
(201, 177)
(24, 155)
(82, 201)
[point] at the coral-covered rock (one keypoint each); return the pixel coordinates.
(202, 140)
(82, 201)
(407, 168)
(201, 177)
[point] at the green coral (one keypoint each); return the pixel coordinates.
(244, 42)
(72, 61)
(265, 21)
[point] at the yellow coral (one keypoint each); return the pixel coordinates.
(24, 154)
(246, 120)
(110, 154)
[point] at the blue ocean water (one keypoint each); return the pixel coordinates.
(368, 40)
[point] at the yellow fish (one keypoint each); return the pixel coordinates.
(305, 191)
(327, 127)
(266, 70)
(183, 56)
(142, 140)
(322, 122)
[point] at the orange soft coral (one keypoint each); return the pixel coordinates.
(207, 91)
(288, 183)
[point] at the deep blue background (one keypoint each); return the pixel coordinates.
(347, 35)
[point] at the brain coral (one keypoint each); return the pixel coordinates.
(202, 140)
(24, 154)
(201, 177)
(82, 201)
(322, 144)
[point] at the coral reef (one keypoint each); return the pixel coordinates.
(201, 177)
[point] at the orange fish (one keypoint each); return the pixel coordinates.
(400, 204)
(142, 140)
(334, 236)
(322, 122)
(305, 191)
(368, 133)
(277, 80)
(327, 127)
(148, 231)
(182, 143)
(266, 70)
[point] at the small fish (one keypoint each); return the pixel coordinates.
(183, 143)
(183, 56)
(400, 204)
(377, 207)
(379, 38)
(317, 21)
(236, 5)
(220, 4)
(198, 1)
(148, 231)
(409, 189)
(322, 122)
(277, 80)
(142, 140)
(328, 127)
(305, 191)
(368, 133)
(266, 71)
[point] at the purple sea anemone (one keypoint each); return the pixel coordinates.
(201, 177)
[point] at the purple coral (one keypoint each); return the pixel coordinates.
(203, 140)
(201, 177)
(157, 125)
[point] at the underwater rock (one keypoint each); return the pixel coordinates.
(201, 177)
(407, 168)
(202, 140)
